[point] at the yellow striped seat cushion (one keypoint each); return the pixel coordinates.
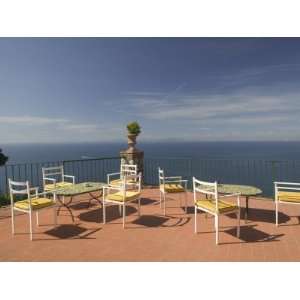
(36, 203)
(289, 196)
(130, 195)
(173, 187)
(59, 185)
(210, 205)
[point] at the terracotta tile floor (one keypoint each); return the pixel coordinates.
(152, 237)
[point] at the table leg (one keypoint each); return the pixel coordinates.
(95, 198)
(247, 208)
(66, 205)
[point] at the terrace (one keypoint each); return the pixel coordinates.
(153, 236)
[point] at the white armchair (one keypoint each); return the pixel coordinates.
(34, 202)
(115, 179)
(55, 178)
(121, 195)
(213, 205)
(171, 184)
(286, 193)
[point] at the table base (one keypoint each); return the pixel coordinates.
(67, 205)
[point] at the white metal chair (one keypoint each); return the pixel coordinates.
(57, 177)
(213, 205)
(125, 169)
(171, 185)
(32, 203)
(122, 195)
(286, 193)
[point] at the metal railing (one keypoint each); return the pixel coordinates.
(260, 173)
(83, 169)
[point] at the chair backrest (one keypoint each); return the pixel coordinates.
(17, 187)
(52, 172)
(206, 188)
(127, 169)
(135, 185)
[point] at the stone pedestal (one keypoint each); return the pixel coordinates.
(133, 157)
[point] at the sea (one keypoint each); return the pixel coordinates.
(252, 163)
(24, 153)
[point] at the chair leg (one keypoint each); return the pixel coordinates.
(12, 221)
(124, 213)
(120, 210)
(30, 224)
(139, 210)
(164, 204)
(239, 223)
(55, 215)
(195, 219)
(160, 198)
(37, 218)
(276, 212)
(103, 210)
(217, 228)
(186, 203)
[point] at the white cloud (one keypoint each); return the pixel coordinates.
(243, 105)
(31, 120)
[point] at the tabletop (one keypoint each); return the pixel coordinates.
(245, 190)
(80, 188)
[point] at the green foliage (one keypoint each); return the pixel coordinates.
(134, 128)
(3, 158)
(4, 200)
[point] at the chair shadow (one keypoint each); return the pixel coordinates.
(250, 234)
(69, 231)
(262, 215)
(84, 205)
(147, 201)
(112, 213)
(150, 221)
(159, 221)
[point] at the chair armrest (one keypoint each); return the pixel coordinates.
(184, 181)
(111, 175)
(232, 195)
(49, 179)
(43, 194)
(179, 180)
(35, 189)
(174, 177)
(106, 189)
(71, 176)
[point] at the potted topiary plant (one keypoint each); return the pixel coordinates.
(134, 130)
(3, 158)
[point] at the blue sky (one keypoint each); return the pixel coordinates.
(186, 89)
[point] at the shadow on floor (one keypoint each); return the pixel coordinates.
(160, 221)
(250, 234)
(147, 201)
(262, 215)
(151, 221)
(84, 205)
(112, 213)
(68, 231)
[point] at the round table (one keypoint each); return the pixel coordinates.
(245, 190)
